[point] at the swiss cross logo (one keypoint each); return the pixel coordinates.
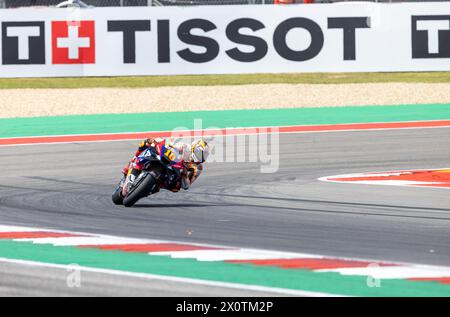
(73, 42)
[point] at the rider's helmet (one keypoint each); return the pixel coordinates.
(199, 151)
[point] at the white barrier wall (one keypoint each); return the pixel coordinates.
(340, 37)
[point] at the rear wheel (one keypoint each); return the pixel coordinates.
(143, 189)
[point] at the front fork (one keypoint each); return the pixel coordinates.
(129, 177)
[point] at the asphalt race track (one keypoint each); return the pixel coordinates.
(69, 186)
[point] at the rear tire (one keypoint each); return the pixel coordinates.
(117, 197)
(143, 190)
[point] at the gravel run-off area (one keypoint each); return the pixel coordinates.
(53, 102)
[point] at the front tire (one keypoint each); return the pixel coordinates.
(143, 190)
(117, 197)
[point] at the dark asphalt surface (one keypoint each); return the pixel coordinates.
(69, 186)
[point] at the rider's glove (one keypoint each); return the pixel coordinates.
(192, 170)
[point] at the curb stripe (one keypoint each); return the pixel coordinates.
(221, 132)
(212, 253)
(193, 281)
(147, 248)
(311, 264)
(84, 240)
(35, 234)
(442, 280)
(438, 178)
(225, 255)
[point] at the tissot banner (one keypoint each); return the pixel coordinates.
(339, 37)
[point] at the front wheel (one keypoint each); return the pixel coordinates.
(117, 197)
(143, 189)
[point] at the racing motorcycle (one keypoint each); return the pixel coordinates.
(161, 168)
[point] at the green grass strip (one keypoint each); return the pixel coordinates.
(214, 80)
(167, 121)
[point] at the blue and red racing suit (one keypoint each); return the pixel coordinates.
(190, 170)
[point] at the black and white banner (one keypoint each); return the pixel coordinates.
(340, 37)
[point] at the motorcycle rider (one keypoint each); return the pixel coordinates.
(192, 156)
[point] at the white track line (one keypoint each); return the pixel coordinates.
(394, 272)
(228, 255)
